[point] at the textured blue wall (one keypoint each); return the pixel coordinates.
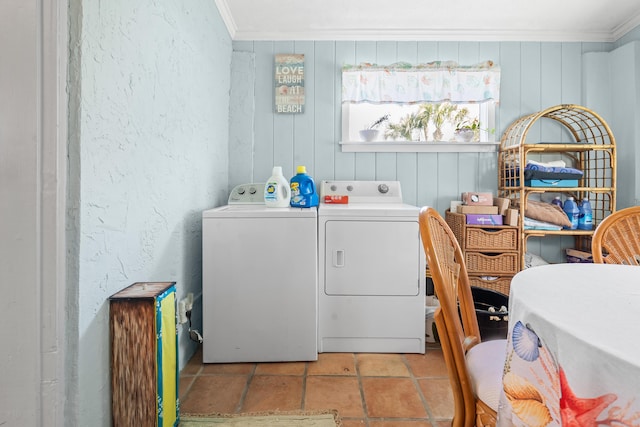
(149, 152)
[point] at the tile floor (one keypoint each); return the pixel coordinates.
(373, 390)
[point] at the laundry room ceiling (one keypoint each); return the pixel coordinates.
(461, 20)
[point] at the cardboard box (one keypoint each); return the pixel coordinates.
(453, 205)
(485, 210)
(483, 199)
(502, 204)
(473, 219)
(511, 217)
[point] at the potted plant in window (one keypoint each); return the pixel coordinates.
(441, 113)
(394, 132)
(464, 129)
(467, 131)
(371, 132)
(405, 128)
(425, 113)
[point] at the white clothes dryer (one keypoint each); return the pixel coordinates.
(259, 281)
(371, 281)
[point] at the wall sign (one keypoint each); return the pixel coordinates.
(289, 83)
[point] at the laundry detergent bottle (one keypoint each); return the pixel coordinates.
(585, 216)
(276, 190)
(303, 189)
(571, 209)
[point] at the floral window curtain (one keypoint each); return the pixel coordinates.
(403, 83)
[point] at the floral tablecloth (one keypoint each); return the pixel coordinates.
(573, 351)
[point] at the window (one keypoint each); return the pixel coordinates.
(356, 117)
(398, 93)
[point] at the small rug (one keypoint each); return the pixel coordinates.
(278, 419)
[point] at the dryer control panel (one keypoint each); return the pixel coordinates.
(363, 191)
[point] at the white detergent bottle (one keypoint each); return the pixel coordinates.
(277, 193)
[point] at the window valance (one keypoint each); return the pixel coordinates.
(403, 83)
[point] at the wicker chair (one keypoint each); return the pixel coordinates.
(474, 367)
(617, 238)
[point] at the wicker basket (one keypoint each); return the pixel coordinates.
(492, 264)
(482, 238)
(488, 240)
(499, 284)
(456, 223)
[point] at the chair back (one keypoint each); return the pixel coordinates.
(617, 238)
(456, 320)
(452, 371)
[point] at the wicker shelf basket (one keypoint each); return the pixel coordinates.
(482, 238)
(490, 251)
(499, 284)
(493, 265)
(491, 240)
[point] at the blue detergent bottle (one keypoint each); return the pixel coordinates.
(572, 211)
(556, 201)
(303, 189)
(585, 217)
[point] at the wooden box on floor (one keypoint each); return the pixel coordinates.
(144, 357)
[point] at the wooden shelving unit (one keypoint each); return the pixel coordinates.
(592, 151)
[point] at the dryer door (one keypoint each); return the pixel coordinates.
(372, 258)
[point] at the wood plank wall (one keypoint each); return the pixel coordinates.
(535, 75)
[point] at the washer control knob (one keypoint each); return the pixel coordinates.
(349, 187)
(383, 188)
(241, 190)
(334, 187)
(252, 190)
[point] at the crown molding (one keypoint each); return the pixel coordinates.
(420, 34)
(227, 17)
(625, 27)
(427, 35)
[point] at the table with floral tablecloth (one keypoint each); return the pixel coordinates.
(573, 350)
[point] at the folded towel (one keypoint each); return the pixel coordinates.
(554, 163)
(557, 169)
(534, 224)
(535, 170)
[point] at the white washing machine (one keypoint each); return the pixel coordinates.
(259, 281)
(371, 281)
